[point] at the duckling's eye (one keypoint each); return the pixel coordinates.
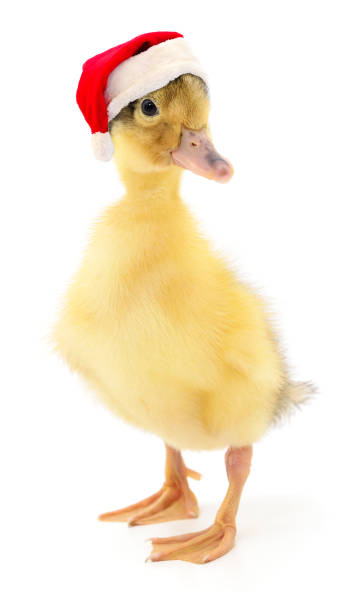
(149, 108)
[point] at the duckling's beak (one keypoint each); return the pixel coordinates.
(196, 152)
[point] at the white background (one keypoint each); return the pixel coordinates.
(283, 109)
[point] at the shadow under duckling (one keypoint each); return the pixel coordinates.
(162, 330)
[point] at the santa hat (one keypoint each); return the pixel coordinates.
(114, 78)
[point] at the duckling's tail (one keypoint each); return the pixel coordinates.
(298, 393)
(293, 395)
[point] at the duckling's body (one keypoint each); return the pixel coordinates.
(162, 329)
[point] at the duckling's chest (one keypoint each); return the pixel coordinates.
(161, 323)
(147, 315)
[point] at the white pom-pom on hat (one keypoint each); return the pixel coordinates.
(103, 146)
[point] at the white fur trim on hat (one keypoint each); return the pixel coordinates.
(148, 71)
(103, 146)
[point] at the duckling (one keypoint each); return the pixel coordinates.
(160, 327)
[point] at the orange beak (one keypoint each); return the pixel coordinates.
(196, 152)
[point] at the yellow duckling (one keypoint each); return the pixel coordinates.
(160, 327)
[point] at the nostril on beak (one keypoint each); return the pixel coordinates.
(194, 144)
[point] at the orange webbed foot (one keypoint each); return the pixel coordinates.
(171, 503)
(174, 501)
(199, 547)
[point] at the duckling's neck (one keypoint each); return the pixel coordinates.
(148, 186)
(153, 215)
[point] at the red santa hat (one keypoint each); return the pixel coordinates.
(114, 78)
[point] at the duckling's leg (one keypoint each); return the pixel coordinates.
(172, 502)
(217, 540)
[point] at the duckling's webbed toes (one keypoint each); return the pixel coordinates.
(174, 501)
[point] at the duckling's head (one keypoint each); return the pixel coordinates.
(169, 127)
